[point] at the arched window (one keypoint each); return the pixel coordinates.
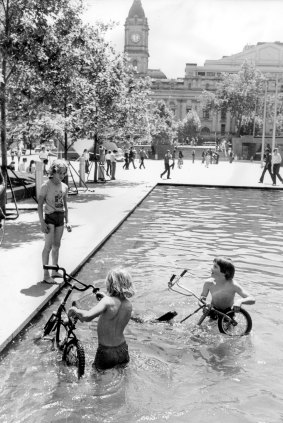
(205, 131)
(135, 63)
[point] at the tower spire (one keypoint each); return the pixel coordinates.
(136, 10)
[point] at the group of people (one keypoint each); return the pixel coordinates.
(272, 165)
(130, 156)
(114, 308)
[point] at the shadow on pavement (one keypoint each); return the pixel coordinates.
(37, 290)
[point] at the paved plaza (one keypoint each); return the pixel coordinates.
(94, 216)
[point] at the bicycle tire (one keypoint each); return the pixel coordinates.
(243, 324)
(50, 324)
(61, 332)
(74, 355)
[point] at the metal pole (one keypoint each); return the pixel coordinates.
(264, 123)
(275, 115)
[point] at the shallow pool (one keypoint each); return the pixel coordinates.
(177, 373)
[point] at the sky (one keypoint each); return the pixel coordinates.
(192, 31)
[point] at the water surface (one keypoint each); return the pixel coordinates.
(177, 373)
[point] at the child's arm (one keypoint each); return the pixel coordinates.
(88, 315)
(246, 297)
(205, 290)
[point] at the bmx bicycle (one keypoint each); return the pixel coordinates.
(232, 322)
(63, 327)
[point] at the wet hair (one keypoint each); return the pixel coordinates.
(56, 166)
(119, 283)
(226, 266)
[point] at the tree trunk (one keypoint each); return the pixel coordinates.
(3, 134)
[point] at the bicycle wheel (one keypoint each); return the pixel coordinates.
(239, 324)
(62, 331)
(50, 325)
(74, 355)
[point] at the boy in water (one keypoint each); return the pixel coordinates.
(114, 311)
(223, 288)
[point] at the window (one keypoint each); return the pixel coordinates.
(205, 114)
(207, 86)
(223, 114)
(223, 129)
(201, 73)
(210, 73)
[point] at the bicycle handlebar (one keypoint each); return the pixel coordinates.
(65, 275)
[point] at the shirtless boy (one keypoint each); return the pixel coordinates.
(114, 311)
(223, 288)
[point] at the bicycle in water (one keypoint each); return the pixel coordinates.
(62, 327)
(232, 322)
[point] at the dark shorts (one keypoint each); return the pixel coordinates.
(107, 357)
(214, 316)
(56, 218)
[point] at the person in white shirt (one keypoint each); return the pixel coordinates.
(108, 163)
(275, 166)
(43, 155)
(23, 165)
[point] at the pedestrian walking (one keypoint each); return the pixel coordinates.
(167, 159)
(132, 156)
(267, 165)
(113, 164)
(143, 156)
(275, 166)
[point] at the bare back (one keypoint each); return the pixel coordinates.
(112, 322)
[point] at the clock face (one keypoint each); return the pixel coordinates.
(135, 37)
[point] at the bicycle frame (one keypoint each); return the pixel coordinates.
(70, 325)
(208, 307)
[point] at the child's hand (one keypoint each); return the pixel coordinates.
(44, 228)
(68, 227)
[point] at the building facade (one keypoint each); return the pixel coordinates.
(182, 94)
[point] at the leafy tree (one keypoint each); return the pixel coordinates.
(189, 126)
(25, 25)
(241, 94)
(162, 124)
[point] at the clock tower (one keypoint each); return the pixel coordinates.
(136, 37)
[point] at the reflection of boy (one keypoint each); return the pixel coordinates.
(223, 288)
(114, 311)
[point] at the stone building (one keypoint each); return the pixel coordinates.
(182, 94)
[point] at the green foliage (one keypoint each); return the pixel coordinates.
(241, 94)
(162, 124)
(189, 126)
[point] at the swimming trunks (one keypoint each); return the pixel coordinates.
(55, 218)
(107, 357)
(214, 315)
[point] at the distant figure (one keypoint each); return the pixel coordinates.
(132, 156)
(193, 155)
(143, 156)
(173, 159)
(85, 155)
(126, 157)
(267, 165)
(43, 154)
(113, 164)
(231, 156)
(23, 165)
(275, 166)
(31, 168)
(180, 159)
(108, 163)
(203, 157)
(167, 159)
